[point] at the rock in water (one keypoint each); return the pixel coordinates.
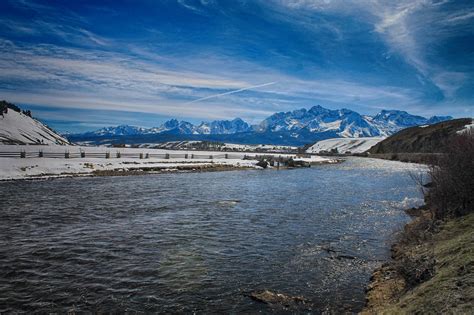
(272, 298)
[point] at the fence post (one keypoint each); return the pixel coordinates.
(141, 156)
(192, 156)
(186, 156)
(83, 154)
(66, 155)
(40, 153)
(107, 155)
(226, 155)
(23, 154)
(210, 157)
(118, 155)
(167, 156)
(147, 156)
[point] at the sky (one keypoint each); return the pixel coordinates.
(82, 65)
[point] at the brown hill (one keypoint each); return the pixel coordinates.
(429, 139)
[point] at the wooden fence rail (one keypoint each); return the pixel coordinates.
(131, 155)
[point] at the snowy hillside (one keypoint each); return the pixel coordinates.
(343, 145)
(18, 128)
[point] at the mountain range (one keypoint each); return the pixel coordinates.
(296, 127)
(174, 126)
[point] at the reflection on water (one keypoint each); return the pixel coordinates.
(199, 241)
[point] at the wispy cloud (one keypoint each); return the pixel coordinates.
(74, 78)
(414, 29)
(460, 17)
(231, 92)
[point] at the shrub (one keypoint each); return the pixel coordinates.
(416, 269)
(413, 265)
(452, 189)
(6, 104)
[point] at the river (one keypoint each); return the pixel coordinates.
(199, 242)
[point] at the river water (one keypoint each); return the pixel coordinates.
(200, 242)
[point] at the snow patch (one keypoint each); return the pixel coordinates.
(467, 129)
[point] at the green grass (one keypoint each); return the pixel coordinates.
(451, 289)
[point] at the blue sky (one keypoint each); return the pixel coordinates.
(81, 65)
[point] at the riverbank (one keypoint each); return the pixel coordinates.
(419, 158)
(431, 272)
(47, 168)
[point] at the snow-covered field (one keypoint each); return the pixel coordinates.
(16, 168)
(44, 167)
(343, 145)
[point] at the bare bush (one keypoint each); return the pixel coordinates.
(452, 189)
(416, 269)
(419, 231)
(412, 265)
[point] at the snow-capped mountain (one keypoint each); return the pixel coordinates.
(398, 118)
(344, 123)
(17, 127)
(174, 126)
(223, 127)
(436, 119)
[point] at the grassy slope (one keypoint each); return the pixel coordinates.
(449, 291)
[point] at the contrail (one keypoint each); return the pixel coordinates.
(231, 92)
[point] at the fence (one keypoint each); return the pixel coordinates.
(132, 155)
